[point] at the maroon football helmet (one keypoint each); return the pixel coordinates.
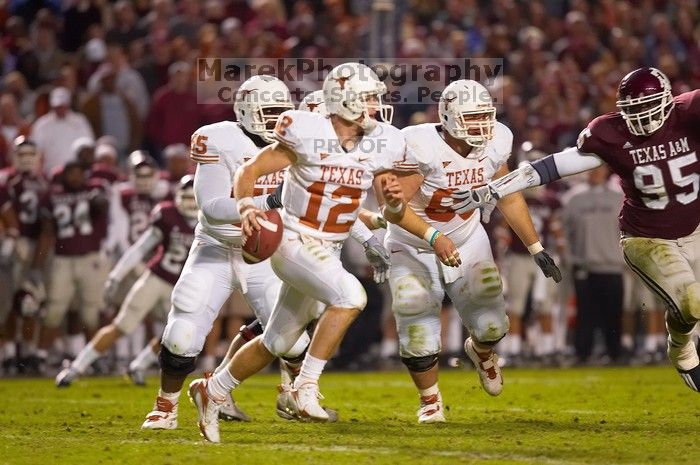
(645, 101)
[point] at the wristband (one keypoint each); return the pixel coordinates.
(535, 248)
(431, 235)
(244, 204)
(391, 209)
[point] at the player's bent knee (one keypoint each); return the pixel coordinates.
(690, 303)
(354, 295)
(490, 327)
(175, 365)
(179, 337)
(298, 349)
(192, 290)
(420, 364)
(412, 297)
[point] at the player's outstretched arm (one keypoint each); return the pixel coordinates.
(271, 159)
(396, 211)
(543, 171)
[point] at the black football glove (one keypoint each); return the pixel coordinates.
(547, 265)
(274, 200)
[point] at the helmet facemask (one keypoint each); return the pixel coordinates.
(645, 115)
(144, 179)
(373, 107)
(26, 159)
(474, 127)
(186, 203)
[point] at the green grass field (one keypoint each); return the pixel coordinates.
(561, 416)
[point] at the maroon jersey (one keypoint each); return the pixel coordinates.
(25, 191)
(80, 227)
(105, 172)
(542, 211)
(138, 208)
(178, 235)
(660, 174)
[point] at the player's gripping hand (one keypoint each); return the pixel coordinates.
(446, 251)
(392, 191)
(249, 216)
(547, 265)
(378, 257)
(484, 197)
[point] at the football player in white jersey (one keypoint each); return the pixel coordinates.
(468, 147)
(332, 161)
(215, 266)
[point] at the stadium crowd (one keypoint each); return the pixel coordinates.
(92, 81)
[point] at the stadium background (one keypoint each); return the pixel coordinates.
(563, 60)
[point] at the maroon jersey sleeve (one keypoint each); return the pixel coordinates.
(688, 104)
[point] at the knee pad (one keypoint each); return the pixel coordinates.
(354, 294)
(690, 303)
(485, 285)
(251, 331)
(413, 296)
(179, 337)
(298, 350)
(490, 327)
(191, 290)
(175, 365)
(283, 345)
(420, 364)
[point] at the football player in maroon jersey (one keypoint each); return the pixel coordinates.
(652, 144)
(74, 215)
(170, 234)
(26, 185)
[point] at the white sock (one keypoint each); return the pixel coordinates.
(171, 396)
(311, 369)
(75, 343)
(85, 358)
(222, 365)
(144, 359)
(221, 384)
(546, 344)
(627, 341)
(389, 348)
(431, 391)
(650, 343)
(10, 350)
(516, 344)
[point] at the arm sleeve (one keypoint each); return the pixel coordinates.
(360, 232)
(212, 189)
(136, 253)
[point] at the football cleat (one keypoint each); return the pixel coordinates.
(686, 359)
(487, 367)
(138, 377)
(305, 400)
(66, 376)
(286, 406)
(207, 409)
(163, 416)
(431, 410)
(229, 411)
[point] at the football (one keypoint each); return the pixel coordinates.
(262, 244)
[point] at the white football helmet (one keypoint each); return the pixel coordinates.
(25, 156)
(314, 103)
(185, 201)
(258, 103)
(347, 92)
(467, 112)
(143, 172)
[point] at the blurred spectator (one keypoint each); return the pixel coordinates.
(12, 125)
(111, 113)
(177, 162)
(591, 224)
(77, 19)
(174, 114)
(50, 57)
(125, 28)
(55, 132)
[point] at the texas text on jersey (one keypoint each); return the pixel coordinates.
(444, 170)
(228, 144)
(178, 235)
(659, 172)
(326, 185)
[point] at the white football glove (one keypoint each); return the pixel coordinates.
(379, 259)
(484, 197)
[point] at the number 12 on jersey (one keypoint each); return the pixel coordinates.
(312, 216)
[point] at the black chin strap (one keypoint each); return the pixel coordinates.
(257, 140)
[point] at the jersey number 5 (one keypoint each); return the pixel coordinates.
(331, 224)
(650, 181)
(438, 211)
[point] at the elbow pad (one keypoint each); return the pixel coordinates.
(547, 169)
